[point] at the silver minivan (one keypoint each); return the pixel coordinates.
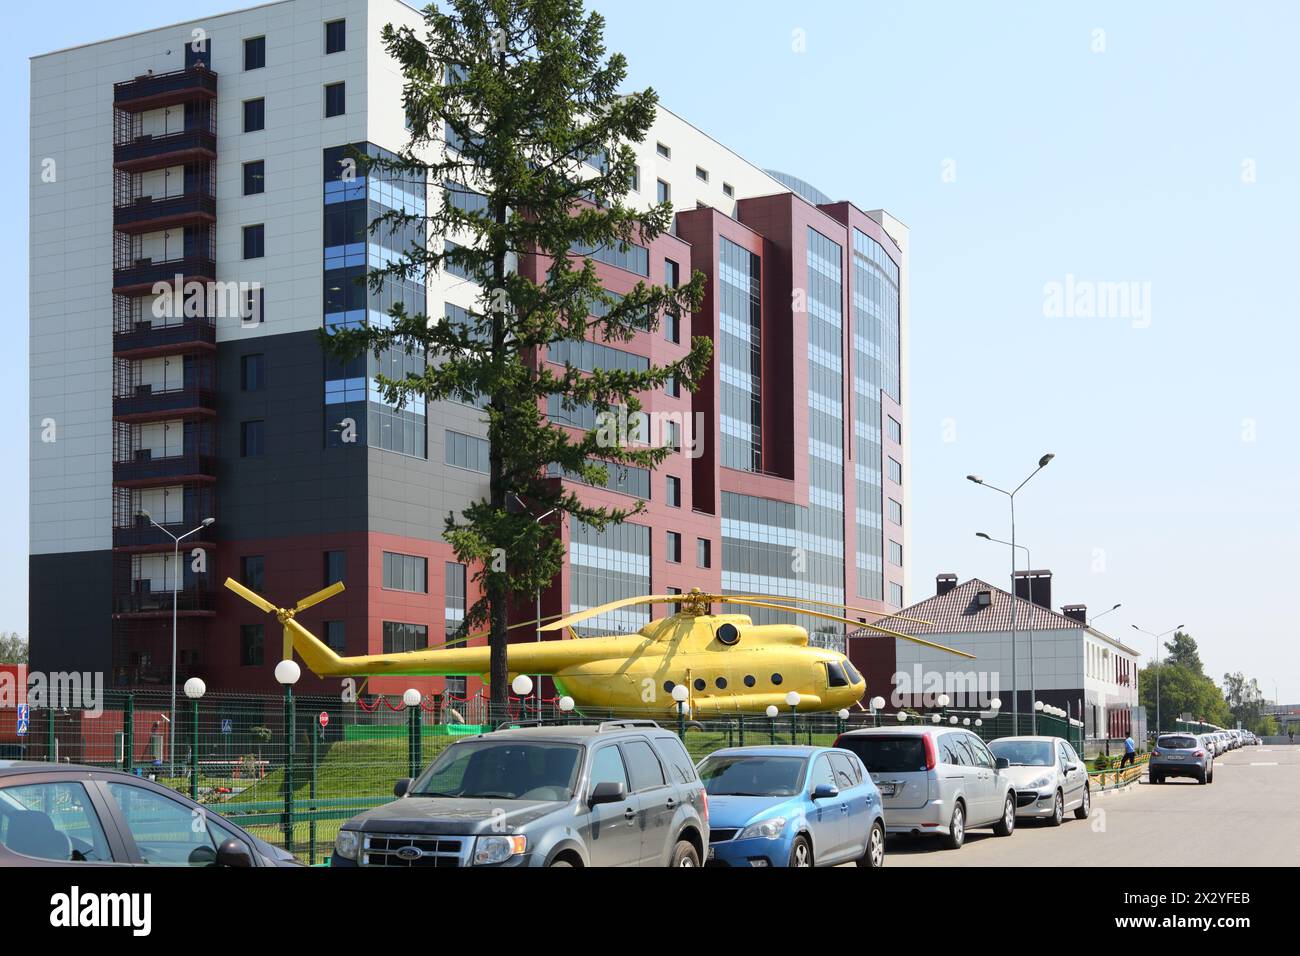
(935, 780)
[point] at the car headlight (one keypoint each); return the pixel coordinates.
(498, 849)
(767, 829)
(347, 843)
(1040, 782)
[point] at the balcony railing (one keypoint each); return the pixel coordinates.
(188, 600)
(147, 214)
(159, 89)
(142, 533)
(143, 273)
(145, 401)
(144, 336)
(145, 468)
(147, 151)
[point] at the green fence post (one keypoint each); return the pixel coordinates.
(315, 739)
(128, 734)
(51, 740)
(194, 751)
(794, 724)
(288, 766)
(740, 728)
(808, 721)
(413, 740)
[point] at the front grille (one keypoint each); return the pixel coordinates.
(722, 836)
(391, 849)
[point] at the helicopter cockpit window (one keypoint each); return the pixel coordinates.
(835, 675)
(854, 676)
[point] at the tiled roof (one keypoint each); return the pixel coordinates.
(959, 611)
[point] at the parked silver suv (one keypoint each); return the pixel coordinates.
(1180, 755)
(936, 780)
(623, 793)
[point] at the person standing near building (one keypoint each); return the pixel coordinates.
(1130, 752)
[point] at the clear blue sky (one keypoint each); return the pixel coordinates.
(1115, 166)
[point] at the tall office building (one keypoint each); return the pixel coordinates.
(213, 156)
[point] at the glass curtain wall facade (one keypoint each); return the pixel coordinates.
(740, 356)
(355, 408)
(876, 369)
(605, 566)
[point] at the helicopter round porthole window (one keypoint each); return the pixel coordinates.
(749, 680)
(721, 683)
(776, 679)
(668, 687)
(727, 634)
(699, 683)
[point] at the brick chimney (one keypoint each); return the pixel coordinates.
(943, 583)
(1035, 586)
(1077, 612)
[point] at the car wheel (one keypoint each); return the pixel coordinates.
(1155, 778)
(801, 852)
(1202, 778)
(1007, 825)
(874, 857)
(561, 863)
(685, 854)
(956, 827)
(1058, 810)
(1210, 779)
(1081, 812)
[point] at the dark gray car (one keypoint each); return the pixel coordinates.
(1180, 755)
(623, 793)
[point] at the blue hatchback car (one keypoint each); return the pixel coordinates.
(791, 806)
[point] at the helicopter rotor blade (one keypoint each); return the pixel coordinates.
(471, 636)
(321, 595)
(626, 602)
(859, 624)
(252, 597)
(879, 615)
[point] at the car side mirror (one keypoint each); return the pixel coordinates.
(825, 791)
(1002, 763)
(234, 853)
(608, 791)
(402, 787)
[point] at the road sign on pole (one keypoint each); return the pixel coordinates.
(324, 719)
(24, 719)
(227, 725)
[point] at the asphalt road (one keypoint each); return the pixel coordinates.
(1247, 817)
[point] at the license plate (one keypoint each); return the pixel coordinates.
(886, 789)
(1175, 756)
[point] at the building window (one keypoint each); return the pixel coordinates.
(406, 572)
(466, 451)
(895, 511)
(701, 174)
(250, 439)
(672, 319)
(636, 179)
(455, 581)
(336, 567)
(895, 594)
(254, 241)
(254, 116)
(252, 571)
(254, 299)
(251, 376)
(400, 638)
(336, 637)
(255, 178)
(672, 387)
(674, 547)
(895, 430)
(335, 99)
(895, 471)
(674, 492)
(250, 645)
(703, 553)
(728, 190)
(336, 36)
(663, 151)
(254, 53)
(665, 192)
(895, 553)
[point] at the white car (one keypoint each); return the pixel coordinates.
(1049, 778)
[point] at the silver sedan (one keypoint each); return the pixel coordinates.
(1049, 778)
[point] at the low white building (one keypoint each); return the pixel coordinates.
(1058, 658)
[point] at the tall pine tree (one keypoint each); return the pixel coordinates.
(520, 131)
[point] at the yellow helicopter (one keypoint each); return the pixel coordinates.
(728, 664)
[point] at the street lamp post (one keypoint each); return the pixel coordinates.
(1156, 663)
(1011, 496)
(176, 577)
(680, 695)
(287, 673)
(792, 699)
(1098, 617)
(1029, 566)
(194, 689)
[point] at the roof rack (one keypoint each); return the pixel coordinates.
(511, 724)
(607, 725)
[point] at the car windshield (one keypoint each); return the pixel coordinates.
(1024, 753)
(752, 776)
(1176, 743)
(507, 770)
(887, 754)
